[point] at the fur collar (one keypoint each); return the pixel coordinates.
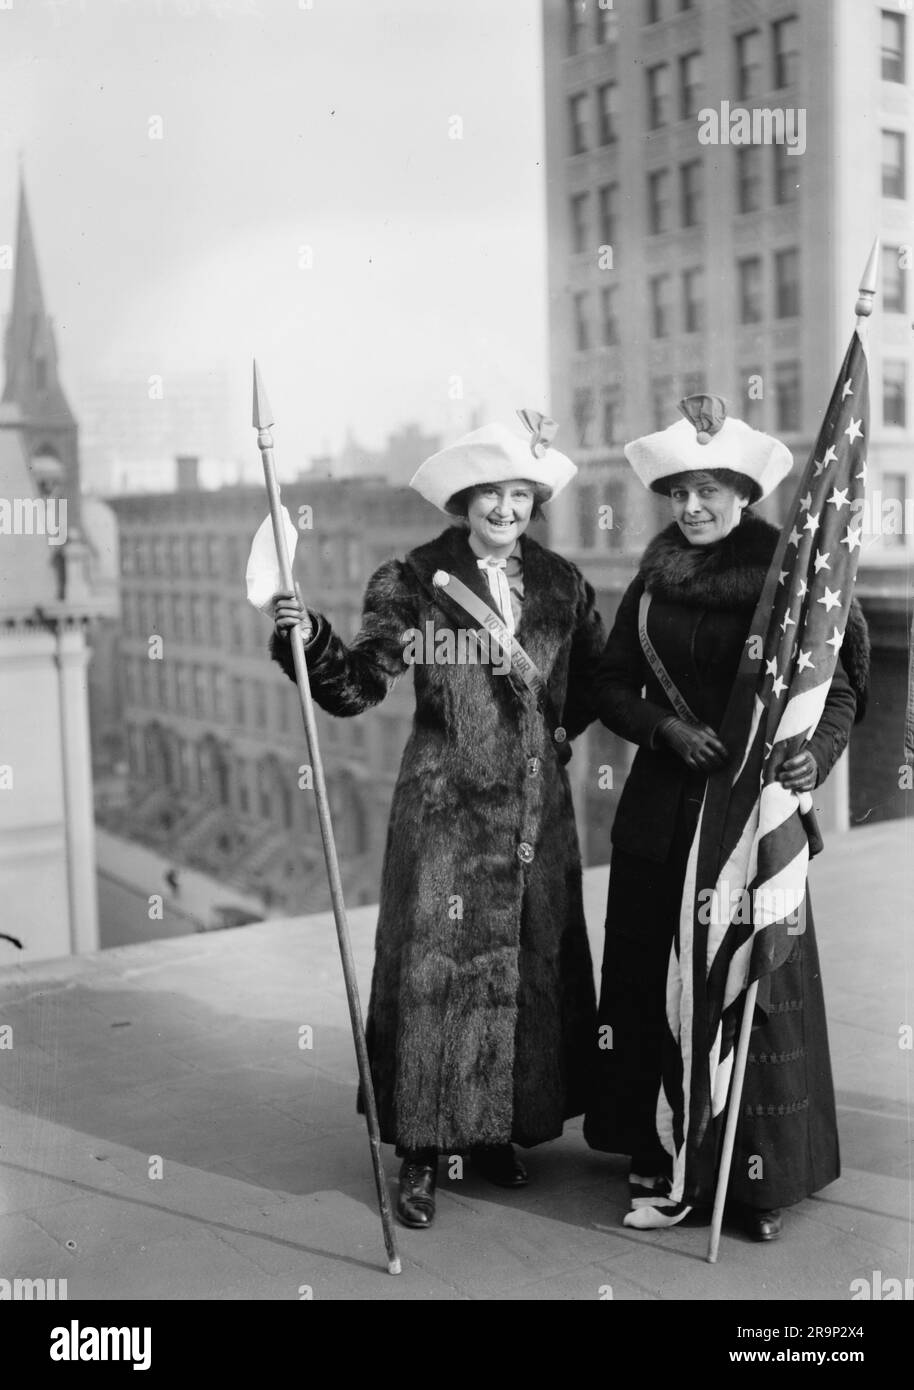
(729, 575)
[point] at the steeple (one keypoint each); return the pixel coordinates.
(32, 393)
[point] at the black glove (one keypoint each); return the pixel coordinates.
(696, 744)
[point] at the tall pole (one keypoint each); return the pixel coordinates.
(263, 419)
(863, 309)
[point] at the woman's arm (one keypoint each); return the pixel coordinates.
(834, 727)
(587, 645)
(346, 680)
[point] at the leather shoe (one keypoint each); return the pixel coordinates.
(416, 1198)
(500, 1164)
(763, 1225)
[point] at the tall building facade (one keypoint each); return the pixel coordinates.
(48, 602)
(689, 250)
(213, 730)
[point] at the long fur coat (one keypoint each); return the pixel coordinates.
(481, 1025)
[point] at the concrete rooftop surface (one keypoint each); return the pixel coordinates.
(188, 1051)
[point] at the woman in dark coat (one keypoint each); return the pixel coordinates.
(482, 1020)
(705, 574)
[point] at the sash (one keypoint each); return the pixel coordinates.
(673, 694)
(521, 664)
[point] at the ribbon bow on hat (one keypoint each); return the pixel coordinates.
(542, 429)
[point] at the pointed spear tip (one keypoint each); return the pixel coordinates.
(263, 416)
(869, 282)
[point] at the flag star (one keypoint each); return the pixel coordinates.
(847, 390)
(821, 466)
(804, 661)
(862, 474)
(788, 622)
(795, 537)
(851, 539)
(853, 430)
(784, 574)
(771, 667)
(839, 498)
(831, 600)
(801, 592)
(811, 523)
(778, 687)
(835, 640)
(806, 502)
(821, 561)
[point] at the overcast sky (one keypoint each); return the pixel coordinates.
(287, 127)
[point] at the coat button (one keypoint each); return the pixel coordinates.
(533, 766)
(560, 735)
(525, 852)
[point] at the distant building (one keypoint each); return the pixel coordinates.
(49, 595)
(214, 738)
(677, 267)
(405, 450)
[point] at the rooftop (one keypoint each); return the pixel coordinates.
(188, 1050)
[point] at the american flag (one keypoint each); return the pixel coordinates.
(751, 844)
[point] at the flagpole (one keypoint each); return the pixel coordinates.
(863, 308)
(263, 419)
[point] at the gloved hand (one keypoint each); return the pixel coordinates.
(696, 744)
(799, 773)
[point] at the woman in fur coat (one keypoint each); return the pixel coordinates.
(705, 574)
(481, 1023)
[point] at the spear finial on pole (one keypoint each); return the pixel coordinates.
(263, 419)
(867, 293)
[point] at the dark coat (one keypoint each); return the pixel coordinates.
(701, 610)
(481, 1022)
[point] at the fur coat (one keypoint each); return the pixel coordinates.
(481, 1022)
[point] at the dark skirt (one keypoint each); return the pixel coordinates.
(787, 1141)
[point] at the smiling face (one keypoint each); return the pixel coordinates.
(498, 513)
(704, 508)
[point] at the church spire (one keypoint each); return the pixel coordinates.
(31, 384)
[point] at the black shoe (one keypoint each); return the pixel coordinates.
(416, 1198)
(763, 1225)
(500, 1164)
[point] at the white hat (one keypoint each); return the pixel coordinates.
(706, 439)
(495, 454)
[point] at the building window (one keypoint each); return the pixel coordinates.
(787, 397)
(195, 556)
(607, 107)
(238, 700)
(895, 394)
(214, 557)
(606, 23)
(215, 623)
(579, 207)
(652, 11)
(142, 557)
(127, 555)
(751, 404)
(282, 708)
(175, 557)
(219, 703)
(895, 490)
(197, 619)
(749, 278)
(748, 64)
(893, 47)
(894, 184)
(158, 555)
(611, 431)
(587, 516)
(749, 178)
(658, 201)
(658, 96)
(576, 15)
(690, 189)
(661, 401)
(581, 325)
(608, 197)
(577, 110)
(686, 5)
(609, 321)
(583, 416)
(785, 33)
(182, 688)
(894, 282)
(661, 315)
(689, 85)
(786, 171)
(693, 300)
(787, 284)
(236, 621)
(201, 693)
